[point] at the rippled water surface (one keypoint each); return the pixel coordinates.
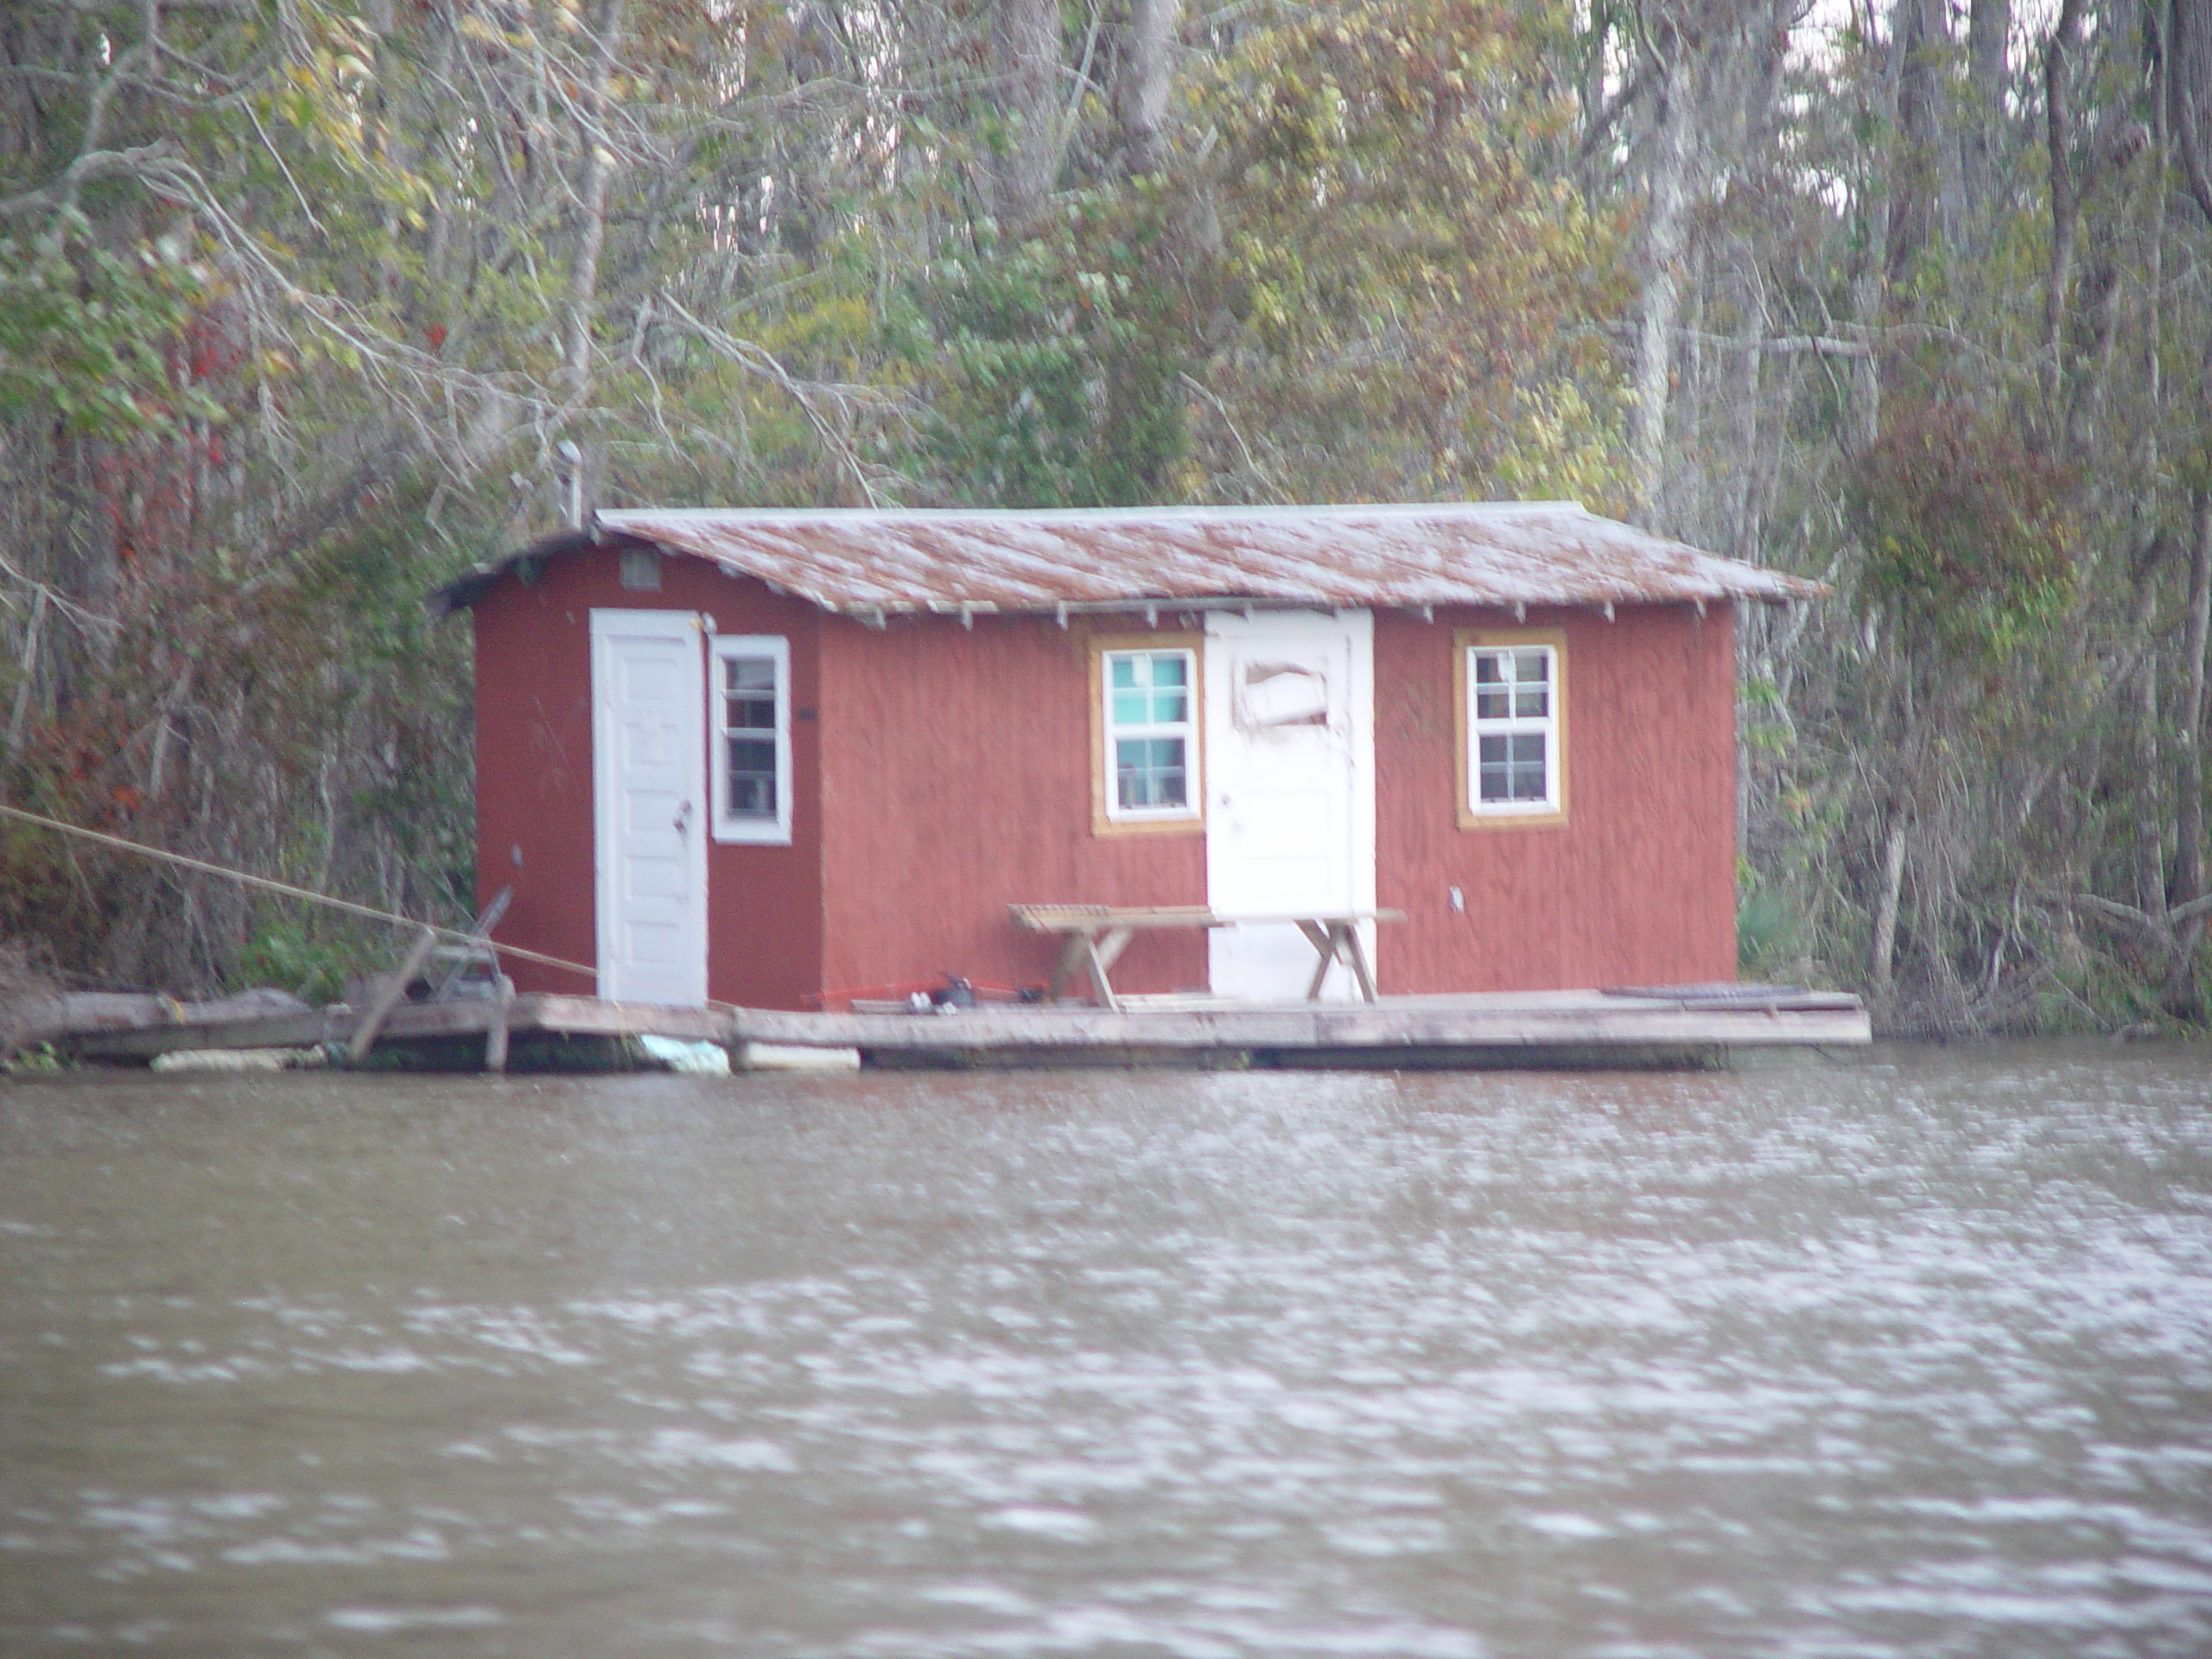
(1907, 1355)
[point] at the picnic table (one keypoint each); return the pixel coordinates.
(1093, 937)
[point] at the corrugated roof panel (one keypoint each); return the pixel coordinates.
(1441, 554)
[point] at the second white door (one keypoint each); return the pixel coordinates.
(1290, 784)
(649, 692)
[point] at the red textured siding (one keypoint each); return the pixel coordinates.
(534, 780)
(1638, 886)
(956, 780)
(942, 772)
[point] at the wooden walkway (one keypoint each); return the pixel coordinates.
(1654, 1027)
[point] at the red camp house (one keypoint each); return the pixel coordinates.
(775, 759)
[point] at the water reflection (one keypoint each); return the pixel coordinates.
(1908, 1355)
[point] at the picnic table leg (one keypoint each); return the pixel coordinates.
(1116, 941)
(1100, 959)
(1323, 941)
(1072, 951)
(1357, 952)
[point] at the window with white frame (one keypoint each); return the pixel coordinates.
(1514, 729)
(753, 738)
(1149, 726)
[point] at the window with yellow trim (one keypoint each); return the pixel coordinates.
(1512, 718)
(1151, 733)
(1144, 734)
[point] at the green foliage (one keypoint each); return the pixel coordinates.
(38, 898)
(1767, 934)
(1968, 531)
(85, 332)
(1352, 281)
(289, 952)
(1051, 366)
(38, 1060)
(1423, 306)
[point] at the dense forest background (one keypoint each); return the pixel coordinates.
(298, 299)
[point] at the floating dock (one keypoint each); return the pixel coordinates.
(1645, 1027)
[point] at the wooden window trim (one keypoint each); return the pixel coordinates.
(1465, 640)
(727, 827)
(1194, 822)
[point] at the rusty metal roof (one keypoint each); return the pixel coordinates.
(1449, 553)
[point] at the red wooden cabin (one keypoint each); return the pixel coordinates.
(768, 757)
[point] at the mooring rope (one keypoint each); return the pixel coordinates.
(269, 884)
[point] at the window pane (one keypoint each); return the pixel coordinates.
(753, 776)
(1515, 719)
(1528, 766)
(1532, 693)
(1511, 768)
(1148, 772)
(1149, 714)
(1495, 781)
(1493, 696)
(1149, 688)
(750, 740)
(750, 704)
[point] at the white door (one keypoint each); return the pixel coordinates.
(649, 784)
(1290, 782)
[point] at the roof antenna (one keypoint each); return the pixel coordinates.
(572, 480)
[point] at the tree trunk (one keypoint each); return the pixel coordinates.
(1027, 46)
(2065, 206)
(1666, 239)
(2189, 93)
(1989, 26)
(2150, 837)
(1919, 182)
(596, 165)
(1885, 909)
(1146, 75)
(2181, 992)
(1869, 285)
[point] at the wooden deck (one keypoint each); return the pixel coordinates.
(1554, 1028)
(1655, 1026)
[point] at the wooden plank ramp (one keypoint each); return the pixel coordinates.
(1648, 1027)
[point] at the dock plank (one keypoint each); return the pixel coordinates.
(1540, 1027)
(1333, 1026)
(309, 1030)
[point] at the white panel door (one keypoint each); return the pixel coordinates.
(649, 783)
(1290, 782)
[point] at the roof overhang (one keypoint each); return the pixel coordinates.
(874, 564)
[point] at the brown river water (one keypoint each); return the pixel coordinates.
(1908, 1352)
